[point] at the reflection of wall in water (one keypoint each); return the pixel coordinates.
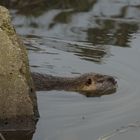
(112, 33)
(98, 22)
(37, 7)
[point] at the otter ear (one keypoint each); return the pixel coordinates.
(88, 82)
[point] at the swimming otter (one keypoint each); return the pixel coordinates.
(90, 84)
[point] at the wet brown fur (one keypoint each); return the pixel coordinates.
(89, 84)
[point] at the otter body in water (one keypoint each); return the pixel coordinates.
(90, 84)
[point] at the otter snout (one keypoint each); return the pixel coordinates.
(112, 80)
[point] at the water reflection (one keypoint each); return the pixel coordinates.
(121, 9)
(108, 32)
(112, 33)
(86, 29)
(94, 55)
(37, 7)
(82, 49)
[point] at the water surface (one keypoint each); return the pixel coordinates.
(94, 36)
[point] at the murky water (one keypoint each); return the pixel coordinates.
(91, 36)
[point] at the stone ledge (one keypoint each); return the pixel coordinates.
(18, 102)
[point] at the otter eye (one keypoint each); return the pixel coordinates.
(88, 82)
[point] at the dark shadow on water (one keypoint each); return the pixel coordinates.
(16, 135)
(38, 7)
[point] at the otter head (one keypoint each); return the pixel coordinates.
(95, 85)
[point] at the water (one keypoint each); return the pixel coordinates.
(95, 36)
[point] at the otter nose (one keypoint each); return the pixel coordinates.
(111, 79)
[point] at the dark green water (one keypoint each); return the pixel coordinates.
(70, 38)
